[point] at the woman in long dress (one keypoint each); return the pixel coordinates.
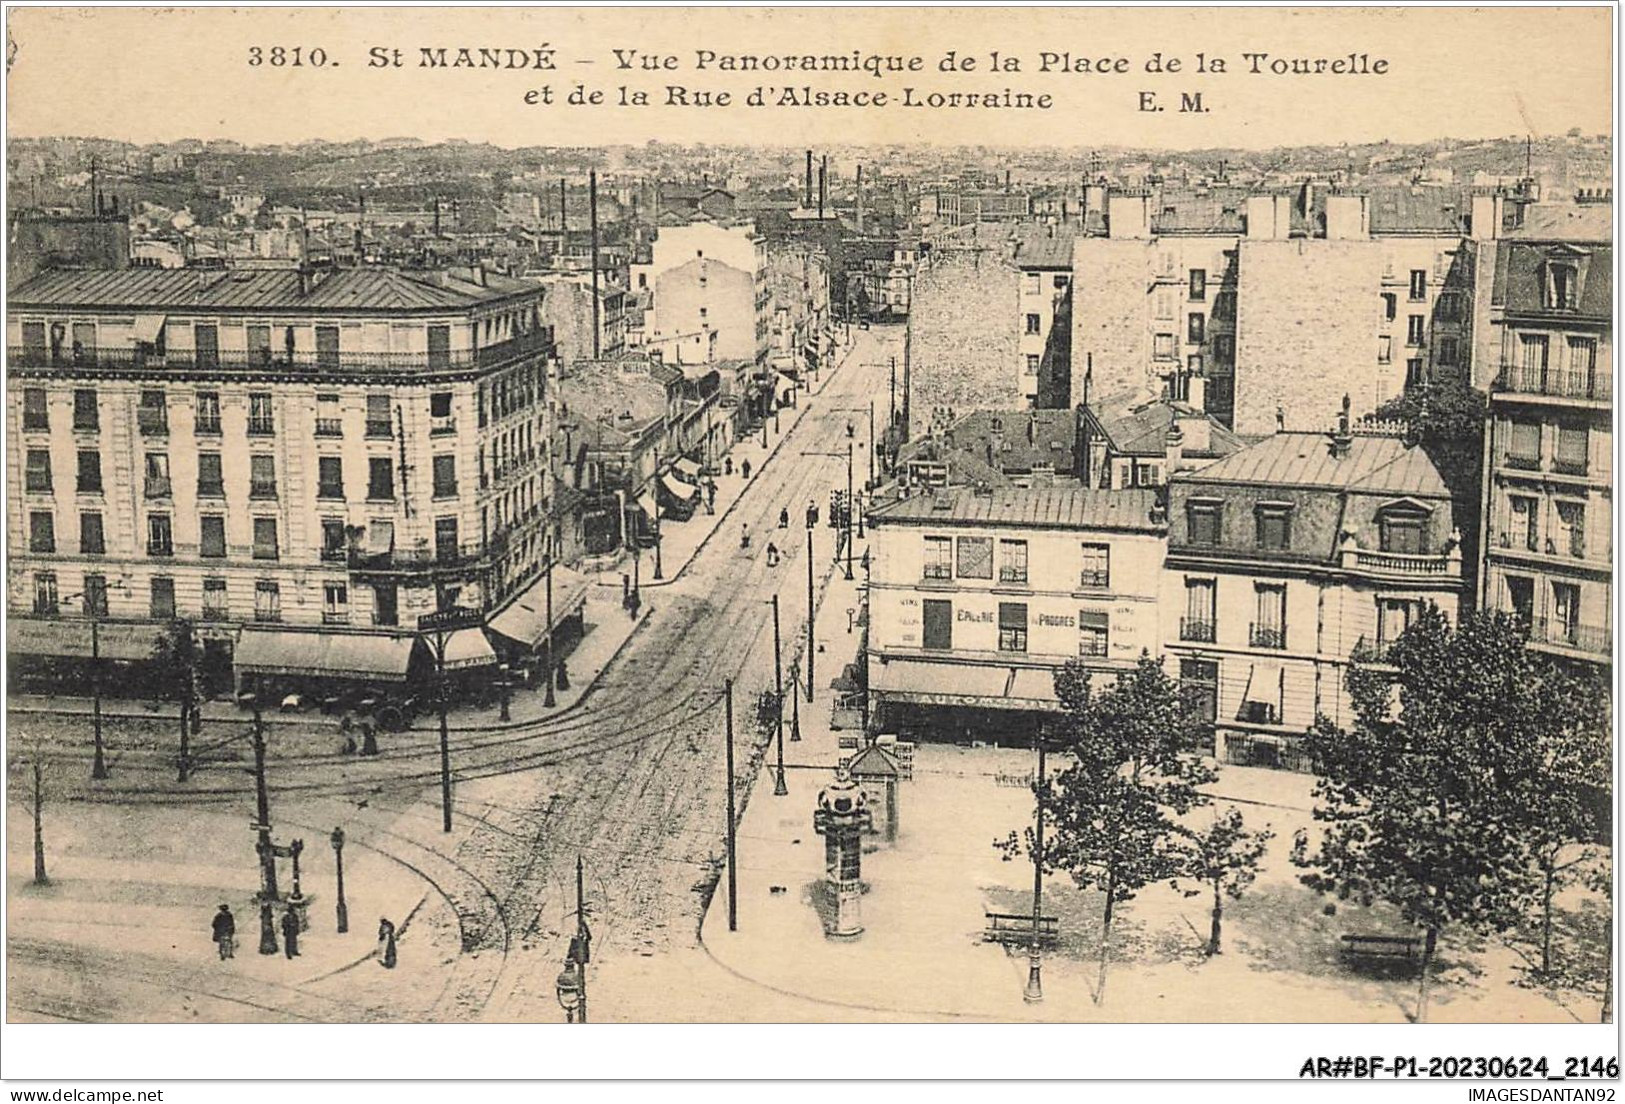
(386, 944)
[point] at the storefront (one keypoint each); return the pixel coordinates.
(52, 655)
(961, 702)
(323, 666)
(522, 627)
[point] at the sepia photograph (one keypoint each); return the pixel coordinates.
(1093, 516)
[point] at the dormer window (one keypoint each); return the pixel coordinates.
(1202, 520)
(1562, 286)
(1274, 526)
(1403, 529)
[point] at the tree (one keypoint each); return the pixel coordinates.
(35, 802)
(177, 653)
(1447, 420)
(1222, 856)
(1134, 772)
(1419, 797)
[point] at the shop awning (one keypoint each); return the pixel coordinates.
(646, 503)
(1264, 684)
(149, 327)
(688, 469)
(786, 387)
(683, 492)
(323, 655)
(525, 618)
(468, 648)
(114, 639)
(964, 684)
(1035, 685)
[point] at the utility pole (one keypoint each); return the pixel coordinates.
(98, 765)
(871, 483)
(1034, 993)
(592, 204)
(850, 508)
(733, 880)
(39, 827)
(779, 789)
(810, 613)
(445, 735)
(549, 701)
(892, 421)
(267, 851)
(342, 910)
(795, 712)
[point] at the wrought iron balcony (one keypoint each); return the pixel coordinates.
(1595, 639)
(1196, 629)
(1593, 384)
(1267, 636)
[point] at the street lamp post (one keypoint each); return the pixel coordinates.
(550, 701)
(870, 485)
(795, 713)
(502, 688)
(98, 765)
(733, 880)
(263, 845)
(1034, 992)
(341, 908)
(779, 788)
(571, 985)
(441, 625)
(809, 612)
(849, 504)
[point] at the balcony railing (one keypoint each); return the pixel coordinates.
(440, 427)
(1094, 579)
(1523, 463)
(1566, 465)
(335, 617)
(262, 490)
(1196, 629)
(152, 422)
(465, 554)
(262, 427)
(1013, 575)
(329, 427)
(244, 360)
(1595, 383)
(1267, 636)
(157, 486)
(211, 489)
(1402, 563)
(1594, 639)
(379, 428)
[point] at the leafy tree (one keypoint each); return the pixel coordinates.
(1134, 772)
(1419, 797)
(1447, 420)
(1222, 856)
(178, 653)
(1600, 879)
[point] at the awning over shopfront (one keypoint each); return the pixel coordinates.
(688, 469)
(919, 682)
(786, 389)
(467, 649)
(72, 638)
(323, 655)
(683, 492)
(525, 618)
(1037, 685)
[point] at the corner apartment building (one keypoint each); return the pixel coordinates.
(975, 599)
(329, 453)
(1287, 558)
(1548, 454)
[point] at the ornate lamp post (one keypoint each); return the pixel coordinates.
(342, 909)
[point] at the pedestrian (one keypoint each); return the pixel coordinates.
(744, 536)
(225, 933)
(633, 604)
(772, 554)
(744, 468)
(812, 515)
(386, 944)
(349, 743)
(728, 465)
(290, 933)
(369, 739)
(784, 518)
(564, 676)
(710, 496)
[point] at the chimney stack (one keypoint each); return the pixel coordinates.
(860, 198)
(1343, 439)
(823, 185)
(809, 197)
(1173, 450)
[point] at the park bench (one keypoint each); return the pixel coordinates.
(1017, 928)
(1385, 947)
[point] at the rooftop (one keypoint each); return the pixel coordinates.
(1143, 430)
(1034, 508)
(1376, 464)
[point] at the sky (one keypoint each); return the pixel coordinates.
(151, 75)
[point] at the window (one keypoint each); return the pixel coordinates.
(440, 419)
(1061, 282)
(1385, 349)
(92, 540)
(1224, 347)
(974, 558)
(160, 535)
(1571, 529)
(445, 539)
(1200, 608)
(1419, 284)
(327, 347)
(1394, 616)
(1093, 627)
(1274, 527)
(1031, 283)
(45, 597)
(1521, 596)
(212, 536)
(1195, 328)
(1012, 561)
(1583, 363)
(84, 342)
(152, 414)
(329, 423)
(1165, 302)
(259, 345)
(42, 531)
(1449, 352)
(1413, 371)
(1533, 348)
(1269, 630)
(163, 599)
(1403, 531)
(1097, 566)
(439, 346)
(1573, 449)
(380, 478)
(1034, 324)
(35, 413)
(378, 422)
(938, 624)
(207, 419)
(1523, 444)
(1162, 347)
(1012, 626)
(157, 475)
(34, 342)
(1562, 287)
(334, 543)
(265, 543)
(1525, 523)
(215, 604)
(445, 477)
(37, 474)
(329, 477)
(335, 604)
(939, 558)
(85, 412)
(1202, 521)
(261, 476)
(384, 607)
(1566, 612)
(1448, 307)
(1033, 361)
(1199, 689)
(90, 472)
(95, 600)
(1198, 284)
(206, 339)
(261, 419)
(1390, 306)
(1415, 327)
(267, 601)
(211, 481)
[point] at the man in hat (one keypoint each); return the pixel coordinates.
(290, 933)
(225, 932)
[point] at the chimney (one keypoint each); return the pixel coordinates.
(1280, 418)
(1343, 439)
(1129, 214)
(809, 197)
(1007, 180)
(823, 185)
(860, 198)
(1347, 218)
(1173, 450)
(1032, 429)
(437, 216)
(1487, 212)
